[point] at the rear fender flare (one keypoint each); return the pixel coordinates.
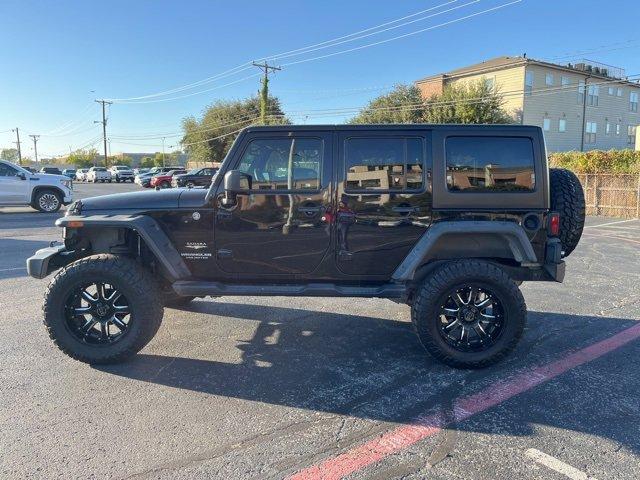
(509, 234)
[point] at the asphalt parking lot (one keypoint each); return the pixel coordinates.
(237, 388)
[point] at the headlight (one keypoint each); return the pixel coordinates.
(66, 183)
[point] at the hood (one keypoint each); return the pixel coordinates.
(51, 178)
(147, 200)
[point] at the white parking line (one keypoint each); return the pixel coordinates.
(557, 465)
(12, 269)
(611, 223)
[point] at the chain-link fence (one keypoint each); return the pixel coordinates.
(611, 194)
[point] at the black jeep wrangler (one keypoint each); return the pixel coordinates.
(449, 219)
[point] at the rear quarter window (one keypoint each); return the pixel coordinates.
(490, 164)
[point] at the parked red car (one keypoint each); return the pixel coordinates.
(163, 180)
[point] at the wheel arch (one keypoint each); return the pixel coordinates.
(40, 188)
(498, 242)
(139, 236)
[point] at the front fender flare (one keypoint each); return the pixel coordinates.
(153, 236)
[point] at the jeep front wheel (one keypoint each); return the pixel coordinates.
(102, 309)
(469, 314)
(47, 201)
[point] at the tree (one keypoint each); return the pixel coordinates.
(82, 158)
(209, 139)
(9, 154)
(121, 160)
(473, 102)
(147, 162)
(402, 105)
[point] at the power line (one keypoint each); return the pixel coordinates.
(398, 37)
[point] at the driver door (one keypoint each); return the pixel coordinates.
(13, 189)
(277, 227)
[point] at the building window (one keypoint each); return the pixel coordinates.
(391, 164)
(619, 92)
(548, 79)
(490, 83)
(612, 91)
(580, 92)
(593, 92)
(562, 125)
(590, 130)
(631, 134)
(633, 101)
(528, 83)
(617, 129)
(564, 81)
(546, 124)
(607, 129)
(490, 164)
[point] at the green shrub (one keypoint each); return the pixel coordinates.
(598, 161)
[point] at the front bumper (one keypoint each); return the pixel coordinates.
(45, 260)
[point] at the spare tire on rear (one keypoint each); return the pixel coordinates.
(567, 198)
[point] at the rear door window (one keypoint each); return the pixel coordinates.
(387, 164)
(490, 164)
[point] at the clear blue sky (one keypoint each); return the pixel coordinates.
(54, 54)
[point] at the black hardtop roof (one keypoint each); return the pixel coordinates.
(391, 127)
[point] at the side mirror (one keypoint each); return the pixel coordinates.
(21, 176)
(235, 182)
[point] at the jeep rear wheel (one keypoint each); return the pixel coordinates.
(567, 198)
(469, 314)
(47, 201)
(102, 309)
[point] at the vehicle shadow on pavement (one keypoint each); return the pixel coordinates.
(371, 368)
(14, 253)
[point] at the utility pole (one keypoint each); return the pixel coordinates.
(18, 145)
(163, 151)
(264, 91)
(104, 128)
(35, 145)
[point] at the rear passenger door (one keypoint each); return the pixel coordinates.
(384, 198)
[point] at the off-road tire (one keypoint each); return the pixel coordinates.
(431, 294)
(132, 280)
(40, 194)
(567, 198)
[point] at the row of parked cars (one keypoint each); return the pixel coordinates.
(156, 177)
(168, 177)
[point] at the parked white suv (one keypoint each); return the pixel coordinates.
(98, 174)
(42, 191)
(81, 174)
(122, 173)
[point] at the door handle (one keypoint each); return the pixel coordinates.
(405, 210)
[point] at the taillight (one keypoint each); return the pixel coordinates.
(554, 224)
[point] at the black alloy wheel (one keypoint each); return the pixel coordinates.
(471, 319)
(97, 313)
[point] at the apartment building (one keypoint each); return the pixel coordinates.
(580, 106)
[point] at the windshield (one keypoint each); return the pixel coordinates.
(195, 171)
(122, 168)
